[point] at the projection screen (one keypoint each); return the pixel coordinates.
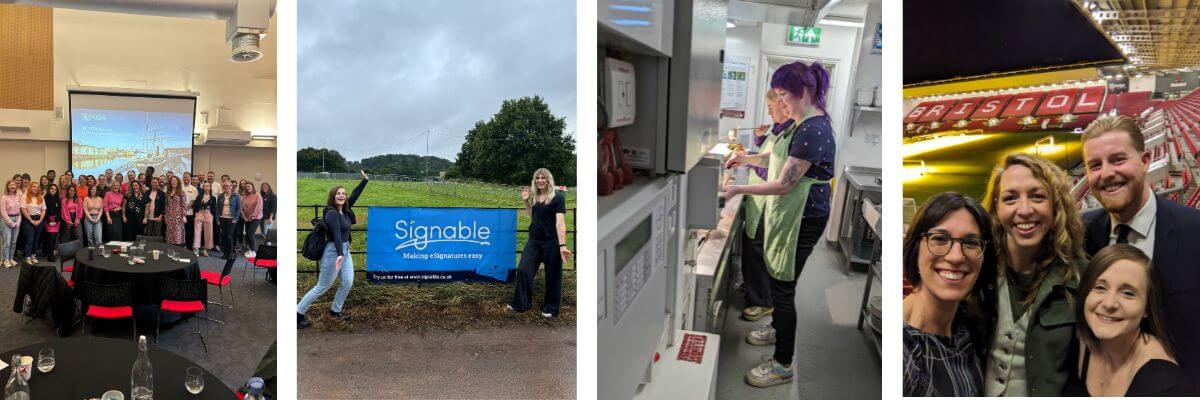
(126, 132)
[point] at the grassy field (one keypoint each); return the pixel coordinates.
(424, 307)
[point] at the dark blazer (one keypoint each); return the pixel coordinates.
(1176, 240)
(1050, 348)
(211, 206)
(160, 202)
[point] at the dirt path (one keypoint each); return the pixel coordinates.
(502, 363)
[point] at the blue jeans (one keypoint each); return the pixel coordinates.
(10, 239)
(33, 236)
(328, 275)
(92, 231)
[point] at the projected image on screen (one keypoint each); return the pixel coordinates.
(125, 133)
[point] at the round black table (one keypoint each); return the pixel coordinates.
(85, 368)
(113, 270)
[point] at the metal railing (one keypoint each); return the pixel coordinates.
(317, 214)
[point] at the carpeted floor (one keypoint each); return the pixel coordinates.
(235, 347)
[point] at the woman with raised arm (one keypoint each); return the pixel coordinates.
(547, 244)
(337, 262)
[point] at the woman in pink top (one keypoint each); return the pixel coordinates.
(114, 207)
(93, 218)
(252, 212)
(72, 213)
(10, 215)
(175, 216)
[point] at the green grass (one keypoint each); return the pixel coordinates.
(424, 307)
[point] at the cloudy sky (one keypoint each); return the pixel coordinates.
(375, 75)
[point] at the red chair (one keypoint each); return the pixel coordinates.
(221, 280)
(183, 297)
(108, 302)
(264, 258)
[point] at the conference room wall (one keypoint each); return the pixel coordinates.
(31, 156)
(240, 162)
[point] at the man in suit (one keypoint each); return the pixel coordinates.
(1116, 160)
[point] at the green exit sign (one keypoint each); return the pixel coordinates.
(803, 35)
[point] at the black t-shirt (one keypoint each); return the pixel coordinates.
(813, 141)
(542, 224)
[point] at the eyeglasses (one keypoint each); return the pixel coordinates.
(939, 244)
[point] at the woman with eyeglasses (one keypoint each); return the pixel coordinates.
(1031, 300)
(945, 252)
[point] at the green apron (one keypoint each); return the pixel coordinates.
(752, 205)
(784, 213)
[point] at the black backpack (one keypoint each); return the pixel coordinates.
(314, 244)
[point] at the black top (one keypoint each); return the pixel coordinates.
(1156, 378)
(201, 204)
(338, 226)
(53, 208)
(269, 204)
(543, 219)
(1176, 236)
(813, 141)
(86, 367)
(353, 199)
(937, 365)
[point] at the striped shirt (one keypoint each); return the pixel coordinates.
(936, 365)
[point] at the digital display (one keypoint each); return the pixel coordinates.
(131, 132)
(632, 243)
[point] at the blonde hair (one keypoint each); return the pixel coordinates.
(1065, 244)
(539, 196)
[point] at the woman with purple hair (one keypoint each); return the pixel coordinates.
(795, 205)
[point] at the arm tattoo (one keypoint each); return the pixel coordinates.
(793, 170)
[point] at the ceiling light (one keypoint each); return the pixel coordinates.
(841, 22)
(729, 25)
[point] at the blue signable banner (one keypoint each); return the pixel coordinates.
(406, 244)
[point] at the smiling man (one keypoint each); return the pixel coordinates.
(1116, 160)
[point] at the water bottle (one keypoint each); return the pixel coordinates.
(255, 389)
(17, 388)
(142, 379)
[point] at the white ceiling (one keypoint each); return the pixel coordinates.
(100, 49)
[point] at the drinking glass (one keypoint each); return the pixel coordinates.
(45, 362)
(195, 380)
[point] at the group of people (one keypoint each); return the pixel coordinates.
(189, 210)
(785, 210)
(1024, 295)
(547, 245)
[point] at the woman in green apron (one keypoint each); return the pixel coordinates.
(754, 270)
(795, 206)
(1029, 309)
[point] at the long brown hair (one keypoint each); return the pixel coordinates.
(332, 201)
(1063, 244)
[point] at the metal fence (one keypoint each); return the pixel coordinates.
(316, 208)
